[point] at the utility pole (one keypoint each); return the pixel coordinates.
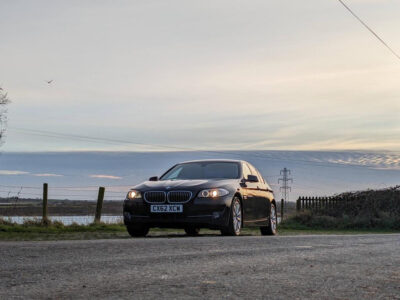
(285, 188)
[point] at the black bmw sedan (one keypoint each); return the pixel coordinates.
(226, 195)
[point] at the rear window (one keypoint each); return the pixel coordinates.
(203, 170)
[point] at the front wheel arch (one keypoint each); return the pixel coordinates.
(241, 206)
(274, 203)
(269, 230)
(231, 228)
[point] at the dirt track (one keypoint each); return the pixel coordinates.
(208, 267)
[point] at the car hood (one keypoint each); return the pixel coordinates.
(184, 184)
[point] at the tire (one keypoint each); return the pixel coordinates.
(137, 230)
(270, 229)
(235, 219)
(192, 231)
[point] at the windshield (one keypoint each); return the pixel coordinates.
(203, 170)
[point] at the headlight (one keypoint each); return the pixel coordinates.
(134, 195)
(213, 193)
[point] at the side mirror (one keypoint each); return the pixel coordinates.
(252, 178)
(154, 178)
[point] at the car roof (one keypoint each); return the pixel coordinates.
(213, 160)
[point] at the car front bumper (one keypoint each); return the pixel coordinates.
(199, 212)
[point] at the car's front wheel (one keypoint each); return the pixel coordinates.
(137, 230)
(235, 219)
(270, 229)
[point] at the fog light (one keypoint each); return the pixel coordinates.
(216, 215)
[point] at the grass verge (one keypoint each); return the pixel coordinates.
(36, 231)
(308, 220)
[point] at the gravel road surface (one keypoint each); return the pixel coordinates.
(207, 267)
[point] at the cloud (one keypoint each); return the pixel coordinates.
(104, 176)
(309, 77)
(12, 172)
(47, 175)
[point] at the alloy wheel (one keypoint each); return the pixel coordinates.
(237, 216)
(273, 218)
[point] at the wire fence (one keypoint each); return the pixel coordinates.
(84, 193)
(66, 220)
(65, 204)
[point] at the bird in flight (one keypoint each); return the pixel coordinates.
(50, 81)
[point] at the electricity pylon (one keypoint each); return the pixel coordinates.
(285, 188)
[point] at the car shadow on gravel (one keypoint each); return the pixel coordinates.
(183, 235)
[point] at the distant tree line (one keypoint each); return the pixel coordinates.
(3, 112)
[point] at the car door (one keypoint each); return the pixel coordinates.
(249, 195)
(261, 201)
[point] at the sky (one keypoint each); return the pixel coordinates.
(245, 75)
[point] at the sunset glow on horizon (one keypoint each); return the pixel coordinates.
(200, 75)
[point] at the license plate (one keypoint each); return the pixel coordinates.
(167, 208)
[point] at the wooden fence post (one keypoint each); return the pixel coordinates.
(298, 204)
(44, 212)
(282, 207)
(99, 206)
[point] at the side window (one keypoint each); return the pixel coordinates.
(246, 170)
(262, 178)
(255, 172)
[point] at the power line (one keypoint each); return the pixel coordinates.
(370, 29)
(131, 142)
(94, 139)
(25, 187)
